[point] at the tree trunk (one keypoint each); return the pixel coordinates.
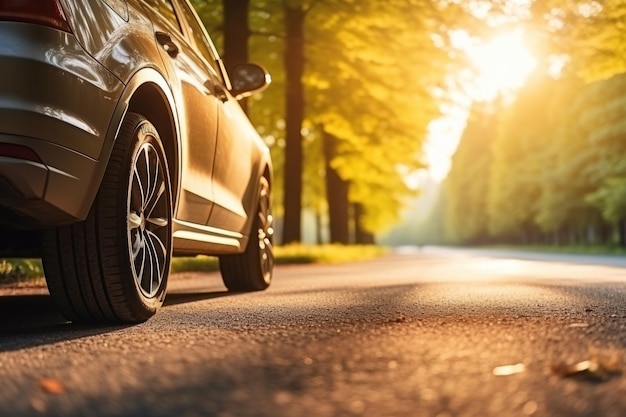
(605, 234)
(336, 195)
(621, 232)
(361, 236)
(294, 69)
(318, 228)
(236, 34)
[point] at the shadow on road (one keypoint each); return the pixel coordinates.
(33, 320)
(184, 298)
(24, 312)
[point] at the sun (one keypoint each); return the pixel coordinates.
(498, 66)
(501, 65)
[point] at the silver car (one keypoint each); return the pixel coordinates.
(122, 144)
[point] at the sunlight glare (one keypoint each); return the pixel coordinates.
(502, 65)
(443, 137)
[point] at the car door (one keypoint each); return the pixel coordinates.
(234, 183)
(235, 173)
(196, 98)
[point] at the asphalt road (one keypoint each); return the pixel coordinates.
(431, 332)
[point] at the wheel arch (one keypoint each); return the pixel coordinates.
(269, 174)
(149, 101)
(147, 93)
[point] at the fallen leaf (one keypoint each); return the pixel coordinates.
(506, 370)
(579, 325)
(590, 370)
(51, 386)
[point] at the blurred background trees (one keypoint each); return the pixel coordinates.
(558, 167)
(357, 85)
(557, 150)
(352, 96)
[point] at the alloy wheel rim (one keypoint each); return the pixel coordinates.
(265, 235)
(148, 221)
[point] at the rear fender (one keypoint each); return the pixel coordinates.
(148, 94)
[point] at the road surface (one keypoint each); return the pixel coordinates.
(430, 332)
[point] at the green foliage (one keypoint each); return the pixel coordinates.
(370, 74)
(591, 33)
(547, 166)
(210, 12)
(371, 69)
(605, 121)
(521, 159)
(12, 270)
(558, 168)
(611, 199)
(566, 155)
(467, 184)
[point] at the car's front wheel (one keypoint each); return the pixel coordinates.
(113, 267)
(252, 270)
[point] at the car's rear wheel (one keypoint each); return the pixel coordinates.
(113, 267)
(252, 270)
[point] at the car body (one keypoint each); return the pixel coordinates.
(122, 144)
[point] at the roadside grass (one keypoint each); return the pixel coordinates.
(305, 254)
(611, 250)
(291, 254)
(26, 270)
(198, 263)
(20, 270)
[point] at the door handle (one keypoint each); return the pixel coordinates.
(220, 93)
(166, 42)
(216, 90)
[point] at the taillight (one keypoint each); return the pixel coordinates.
(41, 12)
(19, 151)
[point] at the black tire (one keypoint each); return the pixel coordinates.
(252, 270)
(113, 267)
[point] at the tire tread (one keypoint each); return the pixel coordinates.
(82, 261)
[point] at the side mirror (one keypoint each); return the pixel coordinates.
(248, 79)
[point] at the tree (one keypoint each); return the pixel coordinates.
(295, 13)
(605, 120)
(336, 194)
(563, 212)
(236, 34)
(370, 74)
(591, 34)
(467, 186)
(374, 95)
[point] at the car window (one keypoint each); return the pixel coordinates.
(166, 10)
(204, 46)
